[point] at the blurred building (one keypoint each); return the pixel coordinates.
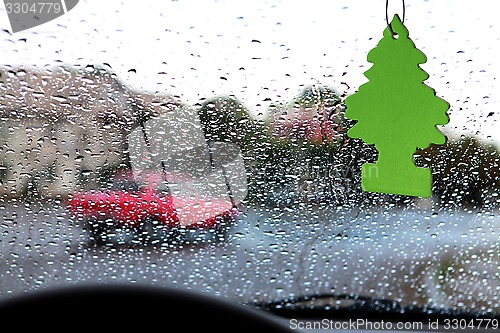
(63, 129)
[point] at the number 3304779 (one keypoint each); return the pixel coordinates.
(34, 8)
(479, 324)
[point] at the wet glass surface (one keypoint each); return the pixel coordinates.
(255, 195)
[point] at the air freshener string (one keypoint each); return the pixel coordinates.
(387, 16)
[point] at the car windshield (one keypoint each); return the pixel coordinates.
(204, 145)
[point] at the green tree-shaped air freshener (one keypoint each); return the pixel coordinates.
(398, 113)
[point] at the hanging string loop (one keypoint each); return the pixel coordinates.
(387, 16)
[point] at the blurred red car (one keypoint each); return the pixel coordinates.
(128, 213)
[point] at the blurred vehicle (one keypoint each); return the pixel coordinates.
(181, 188)
(130, 213)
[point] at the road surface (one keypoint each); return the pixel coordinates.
(272, 254)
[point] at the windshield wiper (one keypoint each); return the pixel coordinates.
(342, 306)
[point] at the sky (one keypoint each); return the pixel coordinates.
(264, 51)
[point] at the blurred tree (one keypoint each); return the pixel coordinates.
(302, 161)
(314, 116)
(307, 133)
(226, 119)
(466, 172)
